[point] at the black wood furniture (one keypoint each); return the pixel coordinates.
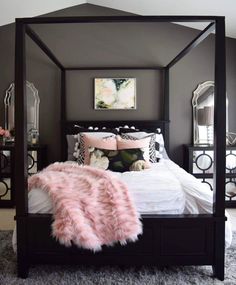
(166, 240)
(37, 160)
(198, 160)
(176, 239)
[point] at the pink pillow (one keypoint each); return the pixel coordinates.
(103, 143)
(128, 144)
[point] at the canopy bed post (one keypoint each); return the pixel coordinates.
(21, 173)
(195, 42)
(36, 39)
(63, 114)
(167, 104)
(116, 68)
(219, 148)
(205, 233)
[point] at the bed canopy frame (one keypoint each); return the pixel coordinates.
(167, 239)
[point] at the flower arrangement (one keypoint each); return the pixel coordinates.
(139, 165)
(4, 134)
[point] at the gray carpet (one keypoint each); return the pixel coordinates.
(71, 275)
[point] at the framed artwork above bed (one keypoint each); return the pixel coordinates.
(115, 93)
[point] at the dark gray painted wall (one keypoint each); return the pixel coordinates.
(196, 67)
(80, 88)
(152, 44)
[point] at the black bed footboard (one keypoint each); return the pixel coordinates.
(166, 240)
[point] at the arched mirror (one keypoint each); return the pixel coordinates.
(203, 113)
(32, 108)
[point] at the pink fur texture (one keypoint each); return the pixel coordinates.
(91, 206)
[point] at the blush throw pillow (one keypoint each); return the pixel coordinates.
(141, 135)
(159, 140)
(139, 143)
(76, 146)
(88, 141)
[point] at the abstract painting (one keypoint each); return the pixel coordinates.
(115, 94)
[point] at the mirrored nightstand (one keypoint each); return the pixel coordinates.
(37, 160)
(199, 161)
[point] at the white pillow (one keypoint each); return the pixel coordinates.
(150, 152)
(71, 141)
(160, 141)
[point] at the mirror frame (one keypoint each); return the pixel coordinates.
(195, 97)
(7, 101)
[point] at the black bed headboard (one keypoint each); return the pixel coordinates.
(151, 125)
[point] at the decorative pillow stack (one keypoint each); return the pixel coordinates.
(132, 150)
(112, 152)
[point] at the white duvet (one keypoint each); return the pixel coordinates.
(165, 188)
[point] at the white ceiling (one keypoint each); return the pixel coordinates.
(11, 9)
(225, 8)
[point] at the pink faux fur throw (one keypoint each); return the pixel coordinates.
(91, 207)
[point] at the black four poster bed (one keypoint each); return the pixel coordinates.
(199, 239)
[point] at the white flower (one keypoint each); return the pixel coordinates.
(76, 154)
(99, 162)
(139, 165)
(91, 149)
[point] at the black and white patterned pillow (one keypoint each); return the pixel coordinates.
(152, 144)
(81, 154)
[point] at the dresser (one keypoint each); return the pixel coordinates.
(37, 160)
(199, 161)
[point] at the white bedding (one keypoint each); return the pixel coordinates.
(155, 190)
(165, 188)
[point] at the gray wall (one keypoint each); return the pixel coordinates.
(80, 100)
(101, 45)
(196, 67)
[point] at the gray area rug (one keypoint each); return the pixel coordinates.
(71, 275)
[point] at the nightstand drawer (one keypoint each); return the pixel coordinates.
(199, 161)
(37, 155)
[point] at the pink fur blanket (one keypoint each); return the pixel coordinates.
(91, 207)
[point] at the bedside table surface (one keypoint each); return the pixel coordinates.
(207, 147)
(10, 146)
